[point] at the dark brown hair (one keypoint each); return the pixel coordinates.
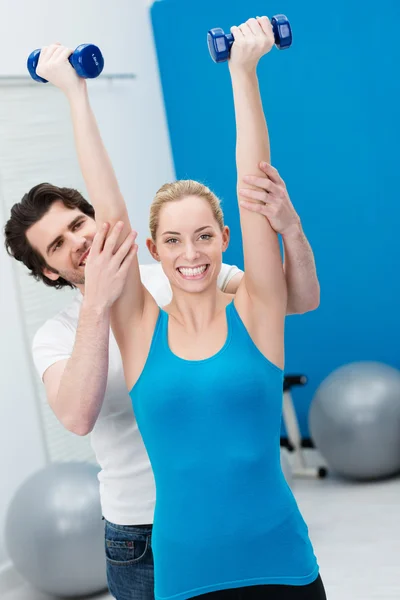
(33, 206)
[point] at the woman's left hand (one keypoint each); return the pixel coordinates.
(253, 39)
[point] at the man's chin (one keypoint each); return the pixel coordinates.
(73, 277)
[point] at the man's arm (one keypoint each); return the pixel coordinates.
(300, 272)
(75, 387)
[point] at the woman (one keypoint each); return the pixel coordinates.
(215, 452)
(205, 374)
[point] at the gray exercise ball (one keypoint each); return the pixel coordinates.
(54, 530)
(286, 468)
(355, 420)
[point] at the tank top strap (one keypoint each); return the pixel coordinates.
(161, 328)
(236, 326)
(157, 345)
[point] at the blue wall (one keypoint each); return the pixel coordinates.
(332, 103)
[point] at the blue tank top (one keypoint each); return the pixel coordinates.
(225, 516)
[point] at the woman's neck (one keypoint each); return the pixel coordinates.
(196, 311)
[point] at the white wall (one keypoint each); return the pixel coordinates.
(122, 29)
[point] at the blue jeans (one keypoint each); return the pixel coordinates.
(130, 567)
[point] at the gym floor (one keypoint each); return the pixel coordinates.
(355, 529)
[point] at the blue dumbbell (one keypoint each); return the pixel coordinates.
(220, 43)
(87, 61)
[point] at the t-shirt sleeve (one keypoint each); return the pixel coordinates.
(155, 280)
(226, 274)
(53, 342)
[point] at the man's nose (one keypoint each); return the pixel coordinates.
(77, 241)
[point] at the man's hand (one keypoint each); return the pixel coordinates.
(54, 66)
(271, 200)
(107, 269)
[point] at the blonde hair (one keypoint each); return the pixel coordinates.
(172, 192)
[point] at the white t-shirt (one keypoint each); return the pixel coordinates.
(127, 487)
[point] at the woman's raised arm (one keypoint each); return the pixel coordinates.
(99, 176)
(264, 279)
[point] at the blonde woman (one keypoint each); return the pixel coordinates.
(205, 373)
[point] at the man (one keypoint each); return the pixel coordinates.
(52, 231)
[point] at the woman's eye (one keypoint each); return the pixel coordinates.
(206, 236)
(172, 241)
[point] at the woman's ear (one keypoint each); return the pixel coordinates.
(152, 248)
(226, 236)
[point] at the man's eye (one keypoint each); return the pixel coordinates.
(58, 245)
(77, 225)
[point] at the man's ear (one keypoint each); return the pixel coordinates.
(152, 248)
(50, 274)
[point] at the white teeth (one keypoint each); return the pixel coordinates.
(83, 263)
(192, 272)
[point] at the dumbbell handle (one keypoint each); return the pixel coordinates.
(220, 44)
(281, 29)
(87, 60)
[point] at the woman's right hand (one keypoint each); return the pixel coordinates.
(54, 66)
(253, 39)
(107, 268)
